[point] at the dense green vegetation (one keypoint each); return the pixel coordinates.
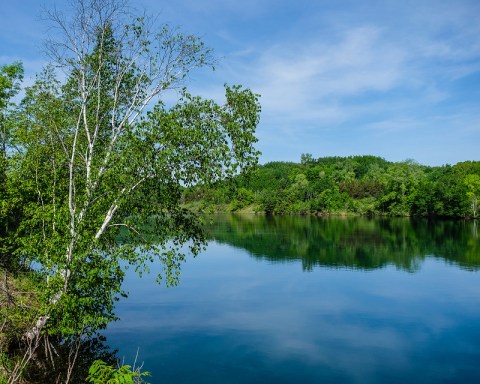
(363, 185)
(91, 157)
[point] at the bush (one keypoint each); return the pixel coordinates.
(101, 373)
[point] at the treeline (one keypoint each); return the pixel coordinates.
(363, 185)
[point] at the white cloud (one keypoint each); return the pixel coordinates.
(329, 72)
(308, 81)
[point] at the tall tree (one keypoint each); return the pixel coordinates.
(10, 80)
(100, 176)
(472, 182)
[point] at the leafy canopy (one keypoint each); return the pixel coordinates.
(100, 163)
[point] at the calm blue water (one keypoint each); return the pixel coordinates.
(244, 317)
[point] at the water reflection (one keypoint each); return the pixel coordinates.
(361, 319)
(241, 319)
(359, 243)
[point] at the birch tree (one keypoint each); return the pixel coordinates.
(102, 161)
(472, 182)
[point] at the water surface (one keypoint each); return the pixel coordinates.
(292, 299)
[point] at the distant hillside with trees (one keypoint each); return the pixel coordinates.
(362, 185)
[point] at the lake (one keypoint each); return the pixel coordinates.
(306, 299)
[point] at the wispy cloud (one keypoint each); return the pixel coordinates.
(311, 79)
(335, 77)
(374, 75)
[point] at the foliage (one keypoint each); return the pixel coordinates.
(95, 163)
(101, 373)
(472, 182)
(364, 185)
(10, 79)
(91, 162)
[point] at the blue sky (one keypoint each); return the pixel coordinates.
(396, 79)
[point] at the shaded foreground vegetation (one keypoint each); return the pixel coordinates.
(362, 185)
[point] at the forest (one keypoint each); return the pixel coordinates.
(360, 185)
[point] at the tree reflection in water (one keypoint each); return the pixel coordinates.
(353, 242)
